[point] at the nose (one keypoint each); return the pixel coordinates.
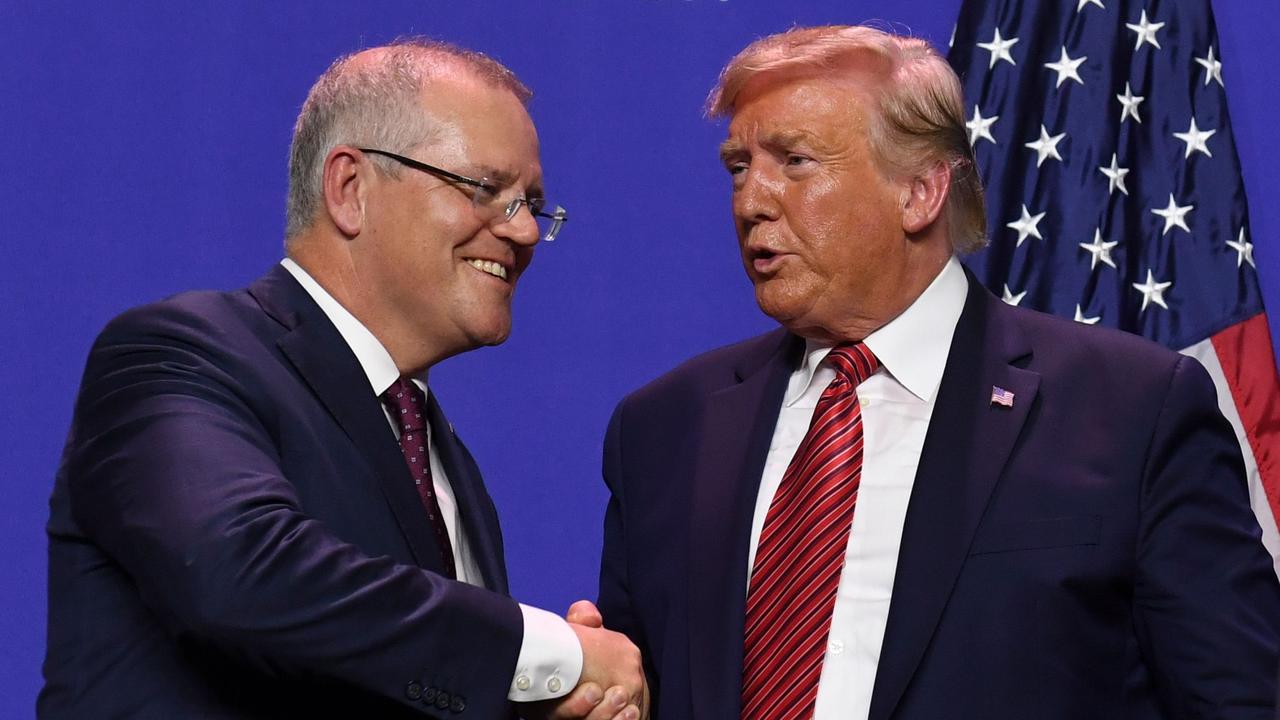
(755, 199)
(521, 229)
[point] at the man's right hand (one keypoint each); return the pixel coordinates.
(609, 660)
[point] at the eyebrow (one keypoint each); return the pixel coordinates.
(730, 148)
(777, 139)
(504, 179)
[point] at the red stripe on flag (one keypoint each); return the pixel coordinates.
(1244, 350)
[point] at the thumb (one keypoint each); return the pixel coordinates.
(585, 612)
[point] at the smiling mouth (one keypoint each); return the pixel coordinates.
(488, 266)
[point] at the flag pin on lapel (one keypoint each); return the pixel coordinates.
(1000, 396)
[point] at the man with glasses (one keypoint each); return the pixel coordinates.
(261, 511)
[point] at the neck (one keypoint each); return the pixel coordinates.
(336, 272)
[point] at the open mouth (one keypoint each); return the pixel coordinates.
(488, 266)
(765, 261)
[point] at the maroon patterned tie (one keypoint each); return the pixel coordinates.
(408, 409)
(801, 552)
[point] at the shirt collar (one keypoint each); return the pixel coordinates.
(374, 359)
(912, 347)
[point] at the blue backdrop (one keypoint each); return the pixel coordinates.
(145, 150)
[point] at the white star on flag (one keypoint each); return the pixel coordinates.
(980, 127)
(1080, 318)
(1080, 6)
(1067, 68)
(1046, 147)
(1195, 139)
(1212, 68)
(1100, 250)
(1146, 32)
(1244, 250)
(1115, 176)
(1152, 291)
(999, 49)
(1174, 215)
(1130, 103)
(1026, 225)
(1011, 298)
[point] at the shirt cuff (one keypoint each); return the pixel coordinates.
(550, 660)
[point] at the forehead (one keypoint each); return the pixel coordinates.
(482, 126)
(825, 107)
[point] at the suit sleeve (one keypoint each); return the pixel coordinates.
(174, 476)
(1207, 599)
(615, 593)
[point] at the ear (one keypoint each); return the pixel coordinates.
(344, 186)
(925, 196)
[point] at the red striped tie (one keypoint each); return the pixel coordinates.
(801, 552)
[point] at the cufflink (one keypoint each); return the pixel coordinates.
(553, 684)
(523, 683)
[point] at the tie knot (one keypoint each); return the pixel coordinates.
(854, 362)
(407, 404)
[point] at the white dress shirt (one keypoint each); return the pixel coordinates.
(550, 660)
(897, 402)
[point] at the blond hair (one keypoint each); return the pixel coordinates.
(921, 111)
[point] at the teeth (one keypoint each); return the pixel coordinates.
(490, 267)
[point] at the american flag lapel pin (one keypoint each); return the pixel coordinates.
(1000, 396)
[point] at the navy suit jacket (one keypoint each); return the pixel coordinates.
(1088, 552)
(233, 532)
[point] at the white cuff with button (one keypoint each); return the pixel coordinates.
(550, 660)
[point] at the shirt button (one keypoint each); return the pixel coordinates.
(835, 647)
(553, 684)
(523, 682)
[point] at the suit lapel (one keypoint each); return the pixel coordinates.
(329, 368)
(965, 450)
(483, 535)
(733, 441)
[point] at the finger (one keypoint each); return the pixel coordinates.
(585, 612)
(615, 700)
(630, 712)
(579, 703)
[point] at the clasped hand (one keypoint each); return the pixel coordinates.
(612, 685)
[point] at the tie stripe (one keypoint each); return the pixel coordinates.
(801, 552)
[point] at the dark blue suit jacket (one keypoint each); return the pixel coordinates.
(1087, 553)
(234, 534)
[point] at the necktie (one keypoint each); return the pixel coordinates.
(408, 409)
(801, 551)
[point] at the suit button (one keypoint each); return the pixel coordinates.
(442, 700)
(413, 690)
(459, 704)
(429, 696)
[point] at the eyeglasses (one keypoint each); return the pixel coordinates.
(485, 197)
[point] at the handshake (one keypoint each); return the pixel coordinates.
(612, 685)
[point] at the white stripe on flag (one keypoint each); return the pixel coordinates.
(1203, 351)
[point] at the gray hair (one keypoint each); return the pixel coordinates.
(921, 109)
(374, 102)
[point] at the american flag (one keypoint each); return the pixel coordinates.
(1114, 190)
(1000, 396)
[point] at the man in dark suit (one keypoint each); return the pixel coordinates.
(914, 501)
(260, 511)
